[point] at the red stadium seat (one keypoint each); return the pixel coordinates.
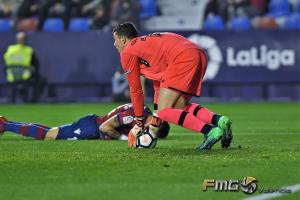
(28, 24)
(267, 23)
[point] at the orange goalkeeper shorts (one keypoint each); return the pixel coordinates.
(185, 73)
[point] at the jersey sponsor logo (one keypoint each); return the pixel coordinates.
(156, 34)
(77, 131)
(214, 54)
(144, 62)
(127, 119)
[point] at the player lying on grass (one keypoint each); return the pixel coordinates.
(114, 125)
(177, 67)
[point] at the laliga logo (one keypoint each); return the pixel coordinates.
(255, 56)
(262, 56)
(214, 54)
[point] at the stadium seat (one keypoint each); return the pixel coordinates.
(292, 21)
(53, 25)
(266, 22)
(279, 8)
(148, 8)
(27, 24)
(240, 23)
(5, 25)
(79, 25)
(213, 22)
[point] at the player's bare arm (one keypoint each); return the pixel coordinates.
(109, 127)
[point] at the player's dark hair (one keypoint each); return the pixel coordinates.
(163, 130)
(126, 29)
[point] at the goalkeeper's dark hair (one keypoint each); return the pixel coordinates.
(126, 29)
(163, 130)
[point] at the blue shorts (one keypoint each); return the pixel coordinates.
(84, 128)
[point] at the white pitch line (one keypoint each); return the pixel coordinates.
(293, 188)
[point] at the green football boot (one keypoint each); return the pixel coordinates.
(213, 136)
(226, 125)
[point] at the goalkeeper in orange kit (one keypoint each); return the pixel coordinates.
(177, 67)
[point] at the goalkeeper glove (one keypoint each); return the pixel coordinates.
(136, 131)
(139, 126)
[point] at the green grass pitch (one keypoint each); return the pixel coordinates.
(266, 146)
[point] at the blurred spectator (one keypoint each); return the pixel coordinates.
(125, 10)
(9, 7)
(28, 8)
(229, 9)
(54, 8)
(25, 15)
(101, 18)
(67, 9)
(22, 70)
(120, 88)
(87, 8)
(84, 8)
(257, 8)
(295, 4)
(237, 8)
(217, 7)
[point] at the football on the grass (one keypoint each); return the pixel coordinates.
(146, 140)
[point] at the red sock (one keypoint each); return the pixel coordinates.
(200, 112)
(184, 119)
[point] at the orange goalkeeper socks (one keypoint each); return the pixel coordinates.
(184, 119)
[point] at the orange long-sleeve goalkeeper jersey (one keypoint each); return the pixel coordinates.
(150, 56)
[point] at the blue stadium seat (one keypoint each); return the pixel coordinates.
(292, 21)
(5, 25)
(279, 8)
(53, 25)
(240, 23)
(148, 8)
(79, 25)
(213, 22)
